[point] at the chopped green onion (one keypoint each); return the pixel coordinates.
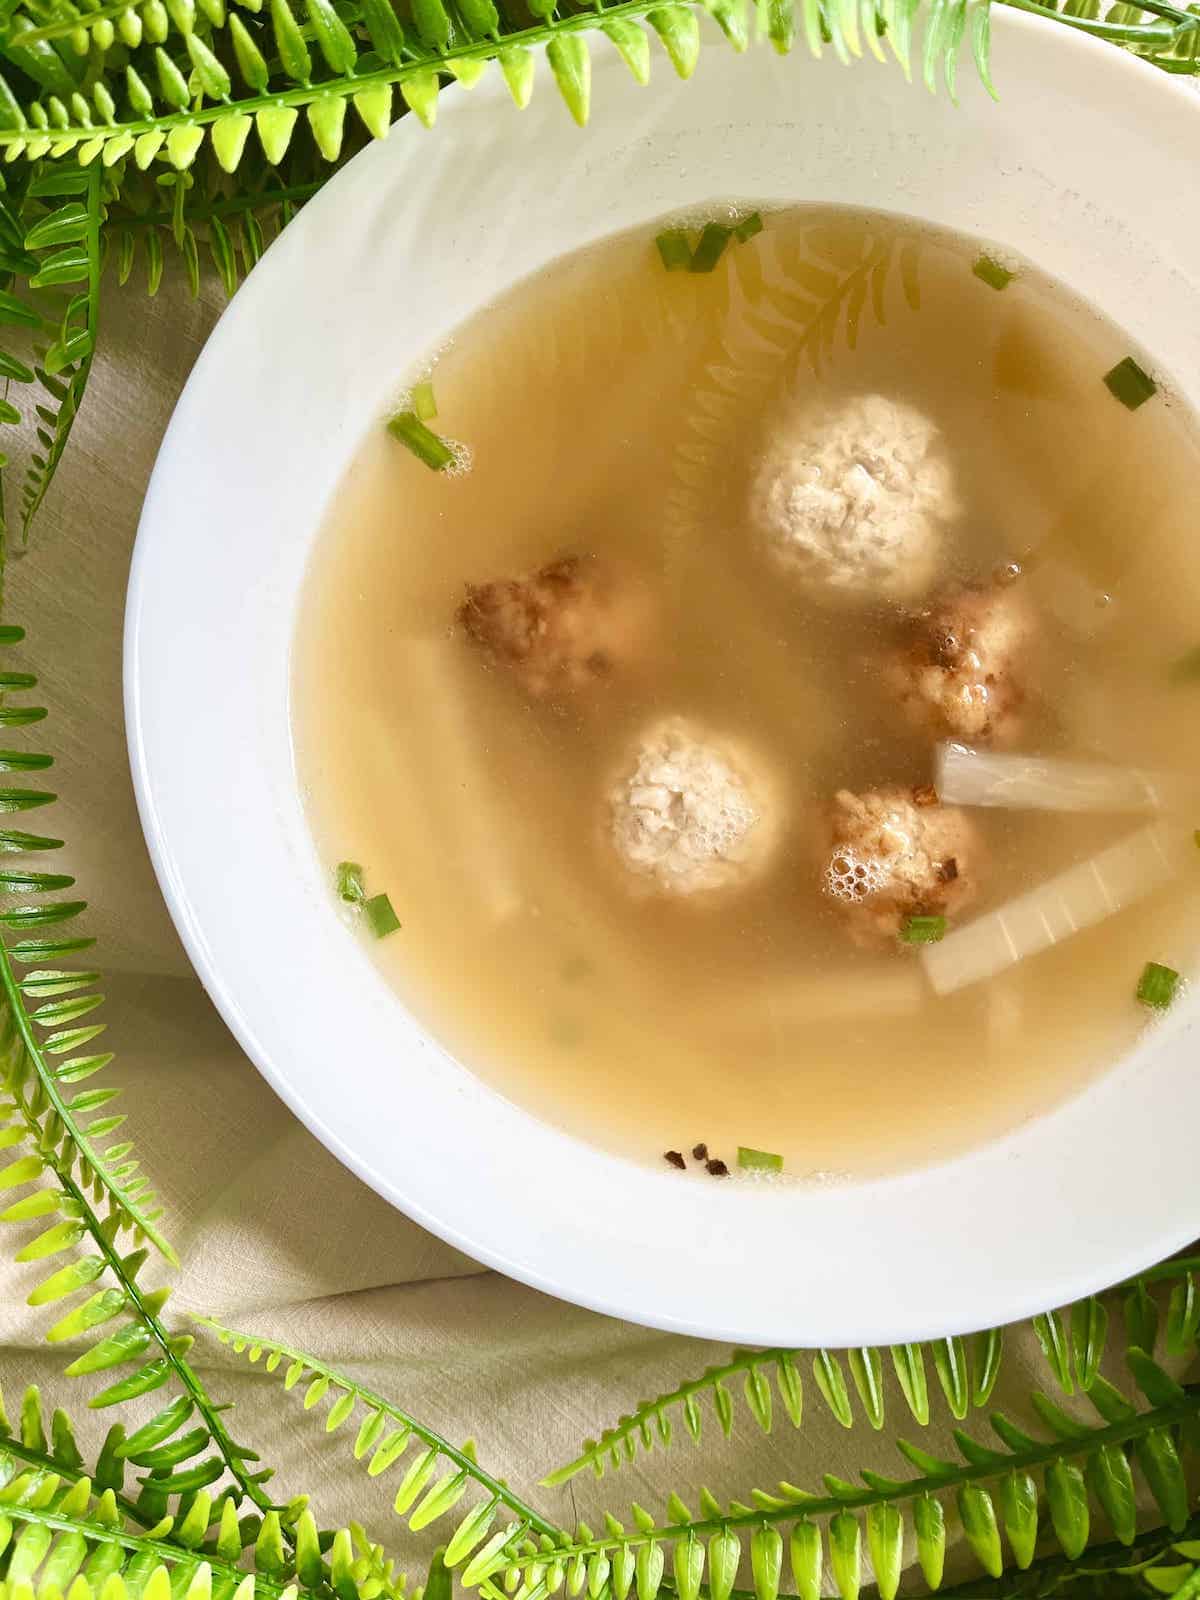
(350, 883)
(923, 930)
(748, 227)
(711, 246)
(1130, 384)
(381, 918)
(1157, 985)
(1187, 668)
(992, 273)
(423, 401)
(758, 1160)
(422, 441)
(675, 250)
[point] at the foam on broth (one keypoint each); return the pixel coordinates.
(617, 410)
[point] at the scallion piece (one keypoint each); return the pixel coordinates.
(381, 918)
(748, 227)
(349, 878)
(992, 273)
(1157, 985)
(711, 248)
(675, 250)
(758, 1160)
(422, 441)
(423, 401)
(923, 930)
(1131, 386)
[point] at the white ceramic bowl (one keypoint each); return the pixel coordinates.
(1084, 167)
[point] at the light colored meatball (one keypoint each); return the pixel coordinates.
(688, 813)
(562, 629)
(896, 853)
(961, 674)
(854, 502)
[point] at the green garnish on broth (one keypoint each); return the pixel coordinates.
(349, 878)
(1157, 985)
(423, 401)
(377, 911)
(923, 930)
(677, 254)
(422, 441)
(381, 916)
(1131, 386)
(750, 1160)
(990, 271)
(675, 250)
(713, 239)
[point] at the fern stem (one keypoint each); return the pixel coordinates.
(1038, 1455)
(1132, 33)
(376, 1402)
(76, 1142)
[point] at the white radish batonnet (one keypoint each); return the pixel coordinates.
(1020, 782)
(1078, 898)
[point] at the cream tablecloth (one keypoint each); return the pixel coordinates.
(273, 1234)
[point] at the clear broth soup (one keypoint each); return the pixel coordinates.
(622, 419)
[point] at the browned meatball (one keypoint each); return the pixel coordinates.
(896, 853)
(960, 675)
(561, 629)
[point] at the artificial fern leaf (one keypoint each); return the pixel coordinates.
(433, 1479)
(49, 240)
(1052, 1336)
(79, 1185)
(184, 78)
(997, 1494)
(965, 1380)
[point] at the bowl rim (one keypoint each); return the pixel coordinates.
(143, 659)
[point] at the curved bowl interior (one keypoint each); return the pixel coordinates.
(412, 237)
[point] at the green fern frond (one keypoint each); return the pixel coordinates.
(434, 1474)
(50, 246)
(57, 1539)
(232, 227)
(172, 109)
(53, 1451)
(965, 1381)
(1106, 1571)
(164, 82)
(67, 1173)
(201, 1530)
(1008, 1493)
(64, 242)
(46, 1046)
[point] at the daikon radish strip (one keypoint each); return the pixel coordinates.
(1078, 898)
(795, 1002)
(459, 785)
(966, 777)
